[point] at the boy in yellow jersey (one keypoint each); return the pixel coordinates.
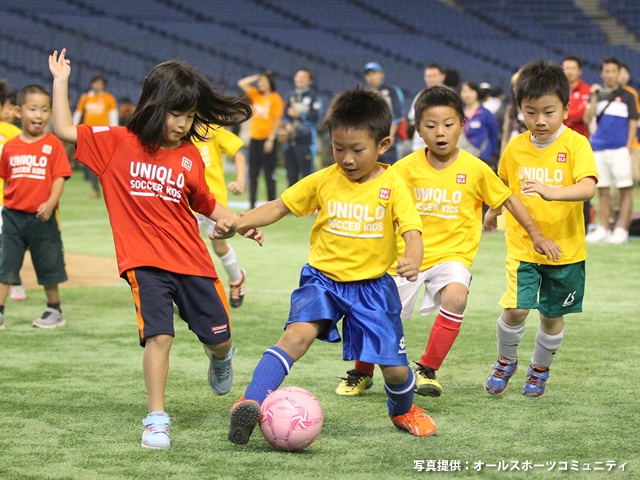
(448, 187)
(552, 170)
(360, 204)
(220, 140)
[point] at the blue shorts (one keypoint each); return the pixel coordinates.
(201, 301)
(372, 330)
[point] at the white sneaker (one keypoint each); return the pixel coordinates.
(598, 235)
(1, 321)
(18, 292)
(51, 318)
(619, 236)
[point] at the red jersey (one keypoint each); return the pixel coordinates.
(149, 198)
(29, 170)
(578, 103)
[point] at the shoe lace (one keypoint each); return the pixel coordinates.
(158, 428)
(426, 372)
(353, 378)
(500, 370)
(222, 371)
(235, 289)
(535, 378)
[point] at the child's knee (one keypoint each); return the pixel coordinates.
(395, 375)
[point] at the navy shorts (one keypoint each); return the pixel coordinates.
(22, 230)
(201, 301)
(372, 330)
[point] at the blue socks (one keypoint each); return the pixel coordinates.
(269, 374)
(400, 396)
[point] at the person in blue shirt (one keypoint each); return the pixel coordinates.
(480, 129)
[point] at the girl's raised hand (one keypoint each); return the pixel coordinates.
(60, 67)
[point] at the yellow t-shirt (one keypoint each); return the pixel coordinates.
(353, 237)
(449, 202)
(7, 132)
(219, 141)
(565, 162)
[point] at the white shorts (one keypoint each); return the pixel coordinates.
(614, 168)
(206, 224)
(434, 280)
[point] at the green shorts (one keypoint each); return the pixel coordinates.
(22, 230)
(554, 290)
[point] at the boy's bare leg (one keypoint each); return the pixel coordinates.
(4, 291)
(53, 295)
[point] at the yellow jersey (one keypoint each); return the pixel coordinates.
(565, 162)
(7, 132)
(219, 141)
(449, 202)
(354, 235)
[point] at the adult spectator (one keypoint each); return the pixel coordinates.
(301, 114)
(625, 77)
(614, 109)
(266, 120)
(98, 108)
(513, 123)
(580, 93)
(374, 77)
(127, 107)
(434, 76)
(480, 136)
(578, 104)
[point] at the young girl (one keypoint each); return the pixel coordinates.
(152, 176)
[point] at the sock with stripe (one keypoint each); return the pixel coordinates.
(268, 374)
(444, 332)
(365, 368)
(400, 396)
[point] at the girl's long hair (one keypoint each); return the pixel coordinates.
(177, 87)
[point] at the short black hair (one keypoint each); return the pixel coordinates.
(541, 78)
(361, 109)
(451, 78)
(573, 58)
(304, 69)
(609, 59)
(5, 91)
(268, 74)
(438, 97)
(177, 86)
(95, 78)
(434, 65)
(28, 90)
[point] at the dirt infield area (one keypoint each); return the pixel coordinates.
(82, 270)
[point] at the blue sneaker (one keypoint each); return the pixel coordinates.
(220, 372)
(156, 431)
(536, 383)
(496, 384)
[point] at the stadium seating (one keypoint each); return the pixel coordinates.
(485, 40)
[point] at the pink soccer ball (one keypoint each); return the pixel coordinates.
(291, 418)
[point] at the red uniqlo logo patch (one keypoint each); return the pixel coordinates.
(385, 193)
(462, 178)
(562, 157)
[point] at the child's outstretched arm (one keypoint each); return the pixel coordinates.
(584, 190)
(541, 244)
(409, 265)
(62, 120)
(262, 216)
(237, 187)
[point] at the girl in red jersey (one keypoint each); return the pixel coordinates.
(152, 177)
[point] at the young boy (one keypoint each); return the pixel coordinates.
(219, 141)
(7, 131)
(448, 187)
(548, 163)
(34, 166)
(360, 204)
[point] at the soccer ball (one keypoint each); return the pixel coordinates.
(291, 418)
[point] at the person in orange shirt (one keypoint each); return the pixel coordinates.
(98, 108)
(267, 113)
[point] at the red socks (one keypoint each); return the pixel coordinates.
(365, 368)
(443, 334)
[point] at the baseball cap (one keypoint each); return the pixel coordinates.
(375, 66)
(485, 86)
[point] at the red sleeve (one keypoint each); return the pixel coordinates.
(60, 167)
(96, 146)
